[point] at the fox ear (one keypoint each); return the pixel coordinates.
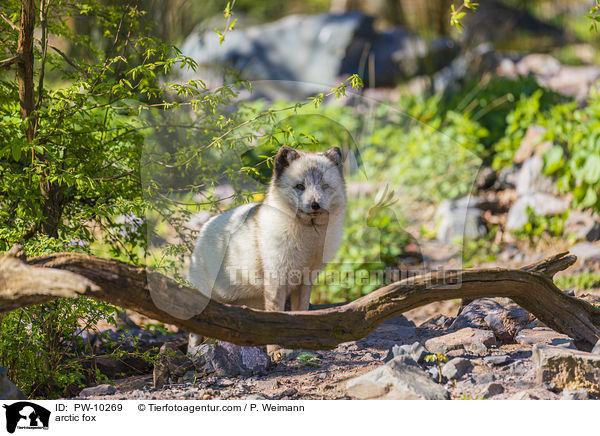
(334, 154)
(284, 156)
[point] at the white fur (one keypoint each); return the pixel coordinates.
(259, 254)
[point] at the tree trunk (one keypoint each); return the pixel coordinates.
(25, 65)
(127, 286)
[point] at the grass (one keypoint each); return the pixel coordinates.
(580, 282)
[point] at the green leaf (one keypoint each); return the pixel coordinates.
(591, 197)
(553, 159)
(16, 151)
(591, 169)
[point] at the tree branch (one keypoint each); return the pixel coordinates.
(127, 286)
(8, 62)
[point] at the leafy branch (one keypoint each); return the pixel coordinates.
(457, 14)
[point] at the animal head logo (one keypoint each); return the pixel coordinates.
(24, 414)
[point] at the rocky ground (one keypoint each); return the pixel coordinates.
(492, 350)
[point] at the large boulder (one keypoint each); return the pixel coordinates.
(541, 204)
(461, 339)
(399, 379)
(228, 360)
(460, 219)
(566, 368)
(309, 52)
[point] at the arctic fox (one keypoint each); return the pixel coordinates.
(260, 254)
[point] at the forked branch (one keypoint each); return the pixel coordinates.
(70, 275)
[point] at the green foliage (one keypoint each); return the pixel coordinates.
(43, 349)
(538, 226)
(438, 359)
(579, 281)
(528, 111)
(574, 159)
(456, 14)
(594, 17)
(308, 359)
(481, 250)
(576, 165)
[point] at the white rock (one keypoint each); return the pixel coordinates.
(541, 203)
(396, 380)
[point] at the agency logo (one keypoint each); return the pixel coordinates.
(26, 415)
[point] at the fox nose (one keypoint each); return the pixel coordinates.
(315, 206)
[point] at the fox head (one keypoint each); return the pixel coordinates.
(309, 185)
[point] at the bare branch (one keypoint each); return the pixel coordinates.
(8, 62)
(127, 286)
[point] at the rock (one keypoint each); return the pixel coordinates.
(594, 233)
(542, 204)
(8, 390)
(396, 380)
(567, 369)
(170, 365)
(586, 252)
(255, 397)
(477, 348)
(491, 389)
(486, 177)
(416, 351)
(578, 394)
(543, 336)
(98, 390)
(189, 377)
(298, 53)
(396, 332)
(583, 225)
(534, 394)
(460, 339)
(114, 367)
(507, 178)
(530, 179)
(482, 379)
(572, 81)
(497, 360)
(194, 343)
(229, 360)
(531, 144)
(474, 313)
(456, 368)
(434, 373)
(538, 64)
(596, 349)
(507, 323)
(521, 367)
(457, 219)
(438, 321)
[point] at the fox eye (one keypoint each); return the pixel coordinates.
(325, 186)
(300, 187)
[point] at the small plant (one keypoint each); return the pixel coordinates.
(438, 359)
(471, 398)
(537, 226)
(456, 14)
(308, 359)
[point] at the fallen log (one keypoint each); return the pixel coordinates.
(70, 275)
